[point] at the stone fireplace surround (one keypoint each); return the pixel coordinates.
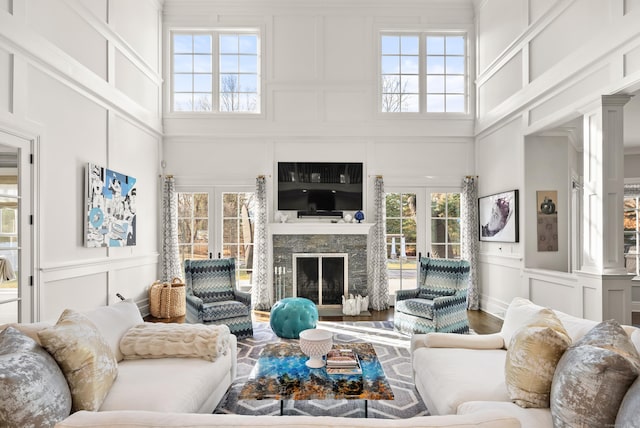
(301, 237)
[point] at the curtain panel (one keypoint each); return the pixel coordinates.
(170, 255)
(469, 237)
(260, 291)
(378, 283)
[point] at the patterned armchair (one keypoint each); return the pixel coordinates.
(440, 301)
(212, 297)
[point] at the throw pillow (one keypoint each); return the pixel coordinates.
(84, 356)
(597, 369)
(532, 357)
(113, 321)
(629, 413)
(519, 313)
(33, 390)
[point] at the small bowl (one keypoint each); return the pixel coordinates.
(315, 343)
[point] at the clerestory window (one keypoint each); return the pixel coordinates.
(423, 72)
(216, 71)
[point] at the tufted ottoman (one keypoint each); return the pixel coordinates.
(291, 315)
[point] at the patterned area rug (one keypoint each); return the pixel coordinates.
(392, 350)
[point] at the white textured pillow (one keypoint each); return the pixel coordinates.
(171, 340)
(113, 321)
(84, 356)
(519, 313)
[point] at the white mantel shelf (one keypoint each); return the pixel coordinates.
(307, 228)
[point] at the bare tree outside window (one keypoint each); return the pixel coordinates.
(195, 70)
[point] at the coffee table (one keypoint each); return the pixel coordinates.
(281, 374)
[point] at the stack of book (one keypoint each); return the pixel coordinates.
(343, 361)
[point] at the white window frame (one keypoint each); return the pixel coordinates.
(429, 240)
(215, 55)
(422, 111)
(219, 219)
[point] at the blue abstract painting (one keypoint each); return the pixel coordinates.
(111, 208)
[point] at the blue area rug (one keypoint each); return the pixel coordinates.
(391, 348)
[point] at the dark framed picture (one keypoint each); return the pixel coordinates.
(498, 216)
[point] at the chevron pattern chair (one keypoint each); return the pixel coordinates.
(212, 297)
(439, 303)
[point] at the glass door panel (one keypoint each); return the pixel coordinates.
(401, 241)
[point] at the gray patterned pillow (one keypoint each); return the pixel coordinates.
(629, 413)
(597, 369)
(33, 390)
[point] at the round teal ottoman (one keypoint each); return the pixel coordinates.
(291, 315)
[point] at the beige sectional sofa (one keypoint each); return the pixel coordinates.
(159, 372)
(462, 374)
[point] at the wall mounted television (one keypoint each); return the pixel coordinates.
(320, 187)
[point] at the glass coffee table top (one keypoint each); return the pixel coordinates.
(281, 374)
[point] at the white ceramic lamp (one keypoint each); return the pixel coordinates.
(315, 343)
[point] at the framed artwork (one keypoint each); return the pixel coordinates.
(110, 208)
(498, 216)
(547, 218)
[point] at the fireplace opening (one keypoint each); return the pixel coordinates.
(321, 278)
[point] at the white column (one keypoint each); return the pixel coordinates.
(603, 163)
(608, 292)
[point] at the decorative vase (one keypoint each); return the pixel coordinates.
(359, 216)
(315, 343)
(548, 206)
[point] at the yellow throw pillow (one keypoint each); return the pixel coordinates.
(84, 356)
(532, 357)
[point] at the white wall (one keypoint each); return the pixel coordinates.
(83, 79)
(319, 86)
(547, 168)
(547, 64)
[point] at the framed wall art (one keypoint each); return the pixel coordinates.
(547, 217)
(110, 208)
(498, 216)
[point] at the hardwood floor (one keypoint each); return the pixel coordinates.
(480, 322)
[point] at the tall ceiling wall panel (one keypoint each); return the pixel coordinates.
(90, 50)
(6, 73)
(75, 135)
(631, 5)
(295, 47)
(495, 32)
(135, 83)
(343, 38)
(99, 8)
(572, 29)
(537, 8)
(128, 17)
(504, 83)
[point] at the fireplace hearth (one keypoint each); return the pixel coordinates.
(321, 278)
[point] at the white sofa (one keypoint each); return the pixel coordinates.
(141, 419)
(461, 374)
(156, 383)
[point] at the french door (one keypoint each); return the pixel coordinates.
(216, 222)
(17, 300)
(419, 221)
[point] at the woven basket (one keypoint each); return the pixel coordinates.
(167, 300)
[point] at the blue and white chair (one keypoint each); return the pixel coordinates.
(439, 304)
(212, 297)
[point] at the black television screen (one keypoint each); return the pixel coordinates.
(319, 186)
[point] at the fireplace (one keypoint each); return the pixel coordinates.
(348, 241)
(322, 278)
